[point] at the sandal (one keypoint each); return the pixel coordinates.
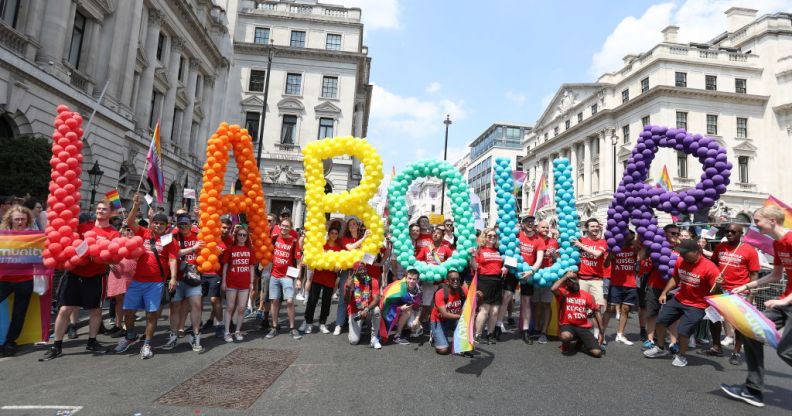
(714, 352)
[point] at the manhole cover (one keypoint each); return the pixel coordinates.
(241, 376)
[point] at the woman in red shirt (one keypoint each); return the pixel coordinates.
(322, 284)
(352, 240)
(237, 279)
(488, 263)
(18, 218)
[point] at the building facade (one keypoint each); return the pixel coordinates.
(736, 88)
(318, 87)
(155, 60)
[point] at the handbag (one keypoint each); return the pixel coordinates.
(190, 274)
(166, 295)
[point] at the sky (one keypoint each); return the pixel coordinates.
(483, 62)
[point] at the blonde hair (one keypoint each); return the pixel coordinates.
(483, 237)
(6, 223)
(771, 212)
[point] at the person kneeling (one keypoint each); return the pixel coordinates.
(447, 309)
(575, 305)
(362, 303)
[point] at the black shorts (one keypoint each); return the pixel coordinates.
(622, 295)
(642, 291)
(84, 292)
(582, 335)
(652, 301)
(510, 283)
(210, 285)
(690, 316)
(526, 289)
(491, 288)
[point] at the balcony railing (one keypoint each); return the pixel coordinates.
(12, 39)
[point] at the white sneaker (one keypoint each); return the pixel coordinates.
(303, 326)
(503, 328)
(335, 295)
(622, 339)
(309, 329)
(337, 330)
(679, 361)
(323, 329)
(691, 344)
(238, 336)
(656, 352)
(228, 338)
(195, 342)
(300, 296)
(375, 343)
(146, 352)
(171, 344)
(727, 342)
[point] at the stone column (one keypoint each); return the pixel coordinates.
(94, 39)
(186, 144)
(54, 34)
(298, 213)
(605, 163)
(66, 46)
(588, 170)
(169, 104)
(206, 109)
(143, 107)
(129, 36)
(551, 178)
(35, 17)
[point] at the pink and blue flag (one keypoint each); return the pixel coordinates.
(154, 158)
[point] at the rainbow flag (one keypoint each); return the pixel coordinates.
(394, 295)
(154, 159)
(20, 253)
(518, 177)
(114, 198)
(771, 200)
(463, 334)
(745, 318)
(541, 196)
(665, 180)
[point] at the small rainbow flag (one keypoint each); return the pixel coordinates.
(771, 200)
(154, 158)
(463, 334)
(114, 198)
(394, 295)
(665, 180)
(745, 318)
(541, 197)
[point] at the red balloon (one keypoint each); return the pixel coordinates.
(49, 262)
(69, 251)
(61, 180)
(63, 129)
(73, 162)
(70, 188)
(123, 252)
(55, 248)
(94, 249)
(69, 200)
(65, 241)
(57, 223)
(70, 175)
(113, 246)
(136, 252)
(105, 256)
(132, 243)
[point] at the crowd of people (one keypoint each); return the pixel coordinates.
(670, 312)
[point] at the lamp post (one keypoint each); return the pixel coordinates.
(447, 123)
(94, 176)
(614, 141)
(270, 54)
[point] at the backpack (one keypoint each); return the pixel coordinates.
(190, 274)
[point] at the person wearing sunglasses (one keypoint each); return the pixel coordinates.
(237, 281)
(446, 310)
(16, 218)
(655, 283)
(488, 263)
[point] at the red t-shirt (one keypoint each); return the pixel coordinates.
(352, 305)
(189, 241)
(489, 261)
(656, 280)
(239, 260)
(349, 240)
(147, 269)
(281, 255)
(591, 267)
(575, 307)
(736, 263)
(623, 268)
(783, 256)
(551, 247)
(93, 268)
(427, 254)
(695, 281)
(449, 243)
(326, 278)
(530, 247)
(424, 240)
(375, 270)
(454, 305)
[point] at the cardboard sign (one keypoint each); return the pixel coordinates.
(510, 261)
(368, 258)
(293, 272)
(82, 248)
(189, 193)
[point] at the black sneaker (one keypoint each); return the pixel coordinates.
(119, 334)
(742, 393)
(10, 349)
(207, 326)
(71, 331)
(496, 333)
(511, 322)
(644, 336)
(492, 339)
(96, 348)
(527, 337)
(480, 340)
(51, 354)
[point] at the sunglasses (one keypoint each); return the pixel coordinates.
(733, 232)
(674, 234)
(242, 235)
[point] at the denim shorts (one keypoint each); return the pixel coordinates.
(281, 284)
(184, 291)
(439, 331)
(143, 295)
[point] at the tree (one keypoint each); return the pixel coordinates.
(24, 166)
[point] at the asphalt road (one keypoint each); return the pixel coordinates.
(331, 377)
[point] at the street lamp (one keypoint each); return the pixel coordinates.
(447, 123)
(270, 54)
(614, 141)
(94, 176)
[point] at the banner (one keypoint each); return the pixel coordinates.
(745, 318)
(20, 252)
(37, 318)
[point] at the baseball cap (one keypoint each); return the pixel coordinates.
(183, 219)
(687, 246)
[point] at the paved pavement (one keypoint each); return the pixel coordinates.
(331, 377)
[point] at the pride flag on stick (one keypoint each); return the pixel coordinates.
(114, 198)
(463, 334)
(541, 197)
(745, 318)
(154, 158)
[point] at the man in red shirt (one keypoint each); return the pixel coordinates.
(156, 267)
(593, 251)
(186, 299)
(286, 266)
(532, 249)
(769, 220)
(447, 309)
(433, 253)
(696, 277)
(82, 287)
(210, 285)
(739, 265)
(575, 305)
(623, 292)
(363, 296)
(652, 287)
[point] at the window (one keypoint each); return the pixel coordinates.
(626, 133)
(546, 136)
(567, 124)
(75, 47)
(333, 42)
(644, 85)
(580, 117)
(646, 120)
(181, 68)
(682, 159)
(593, 109)
(681, 120)
(742, 162)
(329, 87)
(288, 129)
(160, 46)
(742, 128)
(625, 96)
(257, 79)
(325, 128)
(252, 120)
(293, 84)
(297, 39)
(711, 82)
(740, 86)
(712, 124)
(555, 131)
(680, 79)
(8, 11)
(261, 36)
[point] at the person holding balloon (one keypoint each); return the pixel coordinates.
(532, 250)
(593, 250)
(542, 298)
(488, 263)
(322, 287)
(352, 240)
(18, 218)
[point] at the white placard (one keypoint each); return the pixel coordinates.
(82, 248)
(510, 261)
(293, 272)
(711, 233)
(189, 193)
(166, 239)
(149, 199)
(368, 258)
(337, 216)
(712, 314)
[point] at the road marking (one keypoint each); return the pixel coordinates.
(71, 409)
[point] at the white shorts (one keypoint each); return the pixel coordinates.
(427, 291)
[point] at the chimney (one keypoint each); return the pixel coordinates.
(737, 17)
(670, 34)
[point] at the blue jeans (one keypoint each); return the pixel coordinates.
(439, 331)
(341, 314)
